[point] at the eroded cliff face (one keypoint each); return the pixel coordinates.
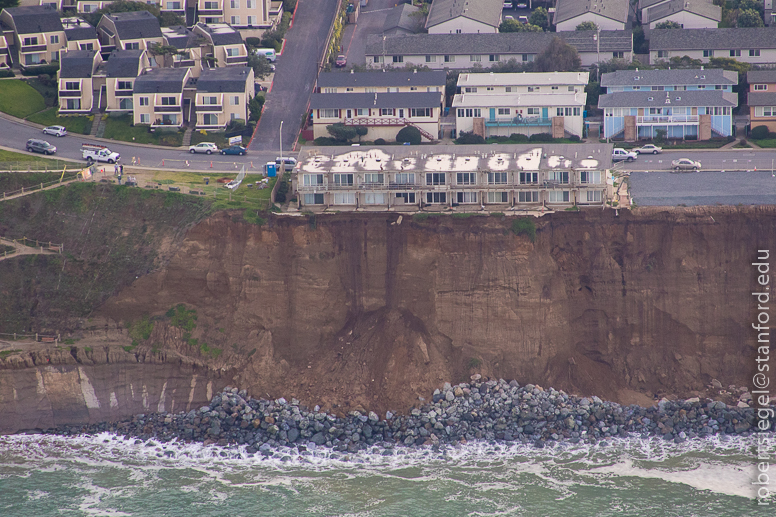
(359, 310)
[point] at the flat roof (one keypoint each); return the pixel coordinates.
(523, 79)
(376, 100)
(382, 78)
(456, 158)
(519, 99)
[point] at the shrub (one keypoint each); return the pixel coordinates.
(280, 195)
(541, 137)
(574, 138)
(759, 132)
(380, 141)
(771, 135)
(524, 226)
(518, 138)
(40, 70)
(325, 140)
(409, 134)
(743, 141)
(6, 73)
(253, 42)
(469, 138)
(731, 138)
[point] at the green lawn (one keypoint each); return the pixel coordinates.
(74, 124)
(19, 99)
(10, 160)
(765, 142)
(49, 90)
(121, 128)
(243, 197)
(217, 137)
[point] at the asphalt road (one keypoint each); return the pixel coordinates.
(295, 73)
(703, 188)
(726, 160)
(370, 21)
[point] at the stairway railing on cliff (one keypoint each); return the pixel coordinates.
(63, 180)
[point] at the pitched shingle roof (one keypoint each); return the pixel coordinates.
(226, 79)
(761, 76)
(677, 98)
(404, 16)
(123, 63)
(483, 11)
(679, 77)
(700, 7)
(33, 19)
(161, 80)
(375, 100)
(136, 25)
(179, 37)
(712, 39)
(76, 64)
(504, 43)
(613, 9)
(384, 79)
(83, 32)
(761, 99)
(221, 34)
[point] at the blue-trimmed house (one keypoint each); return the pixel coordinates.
(692, 103)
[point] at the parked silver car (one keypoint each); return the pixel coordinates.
(685, 164)
(55, 130)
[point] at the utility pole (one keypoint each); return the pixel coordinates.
(281, 142)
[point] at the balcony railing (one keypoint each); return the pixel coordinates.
(123, 93)
(26, 49)
(210, 12)
(667, 119)
(183, 63)
(209, 108)
(518, 121)
(233, 60)
(168, 109)
(70, 93)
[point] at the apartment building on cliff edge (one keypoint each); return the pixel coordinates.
(454, 178)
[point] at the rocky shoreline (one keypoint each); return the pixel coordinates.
(492, 411)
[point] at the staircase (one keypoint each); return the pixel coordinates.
(187, 137)
(98, 122)
(428, 136)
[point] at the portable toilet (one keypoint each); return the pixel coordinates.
(271, 169)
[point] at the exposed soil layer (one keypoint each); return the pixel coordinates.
(358, 311)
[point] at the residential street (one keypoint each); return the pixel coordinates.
(295, 75)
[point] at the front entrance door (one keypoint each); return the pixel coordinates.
(492, 113)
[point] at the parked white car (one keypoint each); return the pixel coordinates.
(648, 149)
(55, 130)
(685, 163)
(204, 147)
(619, 154)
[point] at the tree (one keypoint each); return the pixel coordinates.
(510, 67)
(254, 106)
(164, 51)
(755, 5)
(4, 4)
(409, 134)
(749, 18)
(361, 131)
(124, 6)
(559, 56)
(342, 132)
(260, 65)
(640, 44)
(660, 135)
(587, 26)
(670, 24)
(593, 90)
(540, 17)
(516, 26)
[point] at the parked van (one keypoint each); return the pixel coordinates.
(269, 53)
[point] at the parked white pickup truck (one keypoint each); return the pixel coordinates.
(99, 153)
(619, 154)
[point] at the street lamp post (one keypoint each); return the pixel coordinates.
(281, 142)
(597, 39)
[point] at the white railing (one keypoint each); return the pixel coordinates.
(667, 119)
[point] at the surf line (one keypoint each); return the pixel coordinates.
(762, 379)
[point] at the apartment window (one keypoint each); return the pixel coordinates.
(658, 88)
(451, 59)
(559, 112)
(88, 8)
(235, 20)
(534, 111)
(343, 180)
(469, 112)
(398, 59)
(554, 88)
(174, 6)
(559, 176)
(250, 4)
(232, 51)
(577, 111)
(211, 6)
(436, 197)
(493, 57)
(475, 58)
(498, 197)
(497, 178)
(143, 101)
(760, 87)
(435, 178)
(387, 112)
(234, 4)
(567, 112)
(508, 89)
(466, 197)
(533, 89)
(735, 53)
(593, 196)
(526, 178)
(329, 90)
(145, 118)
(430, 59)
(708, 53)
(404, 178)
(30, 41)
(372, 198)
(360, 112)
(86, 46)
(374, 178)
(662, 53)
(330, 113)
(313, 199)
(234, 100)
(344, 198)
(312, 180)
(527, 57)
(72, 85)
(407, 197)
(504, 111)
(392, 89)
(558, 196)
(420, 112)
(431, 89)
(754, 52)
(210, 119)
(571, 88)
(458, 31)
(132, 46)
(379, 59)
(618, 55)
(636, 88)
(169, 101)
(125, 104)
(253, 20)
(470, 89)
(466, 178)
(124, 85)
(529, 196)
(371, 89)
(590, 177)
(54, 38)
(73, 104)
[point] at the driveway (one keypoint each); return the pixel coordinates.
(370, 21)
(295, 73)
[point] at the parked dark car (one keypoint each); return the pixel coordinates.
(40, 146)
(341, 61)
(235, 149)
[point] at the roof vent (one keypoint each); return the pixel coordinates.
(678, 98)
(650, 98)
(703, 77)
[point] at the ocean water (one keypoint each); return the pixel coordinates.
(105, 475)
